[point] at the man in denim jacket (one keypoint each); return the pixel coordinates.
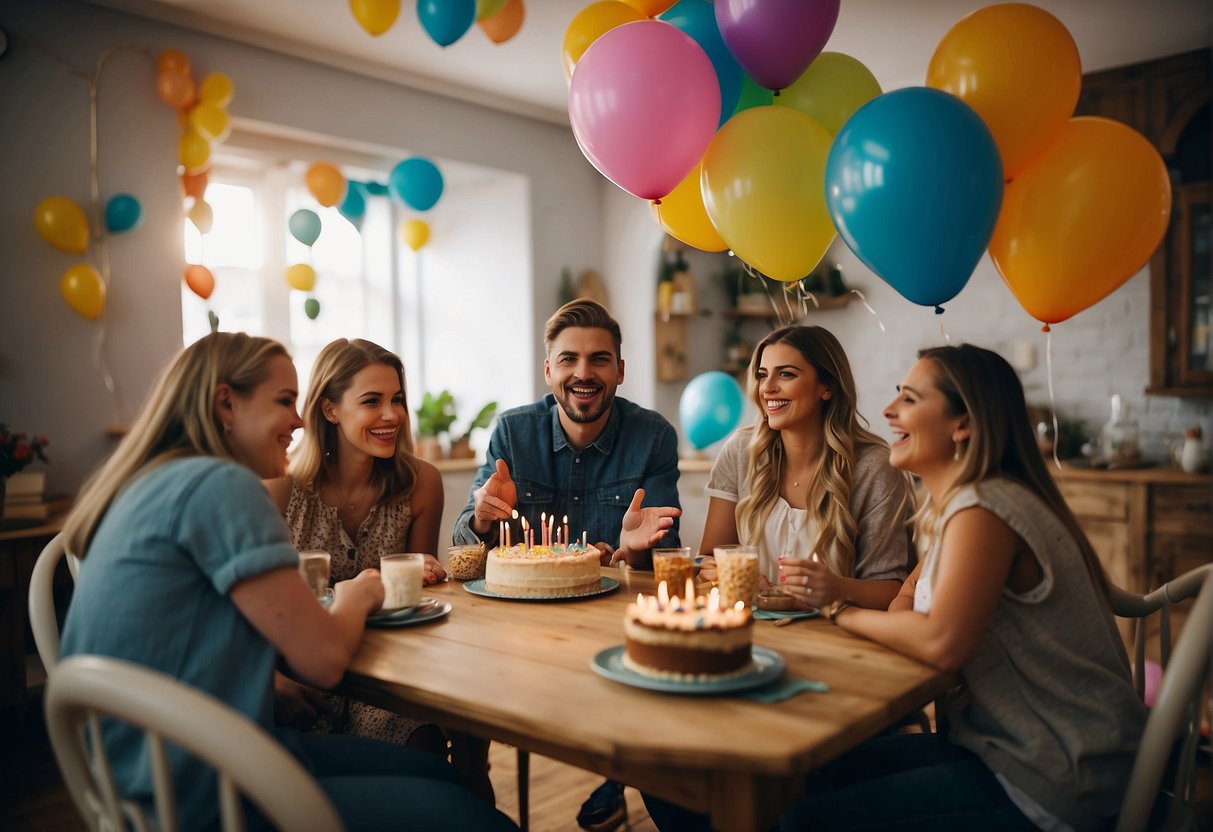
(583, 453)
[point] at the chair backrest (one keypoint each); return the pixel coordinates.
(1173, 728)
(247, 761)
(42, 600)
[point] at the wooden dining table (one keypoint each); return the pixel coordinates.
(520, 672)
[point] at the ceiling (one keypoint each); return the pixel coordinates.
(894, 38)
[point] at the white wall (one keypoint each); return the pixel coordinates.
(47, 381)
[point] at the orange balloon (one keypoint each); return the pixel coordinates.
(589, 24)
(1018, 67)
(650, 8)
(1082, 219)
(175, 89)
(194, 184)
(682, 215)
(503, 25)
(200, 280)
(325, 183)
(172, 61)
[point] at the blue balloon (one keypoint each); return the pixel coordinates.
(697, 18)
(304, 226)
(353, 207)
(375, 188)
(122, 213)
(914, 185)
(710, 408)
(446, 21)
(417, 183)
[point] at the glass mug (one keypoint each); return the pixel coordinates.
(402, 576)
(314, 567)
(675, 567)
(736, 573)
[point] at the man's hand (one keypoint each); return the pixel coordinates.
(495, 500)
(643, 528)
(296, 705)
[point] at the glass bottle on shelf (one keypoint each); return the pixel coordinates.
(1118, 441)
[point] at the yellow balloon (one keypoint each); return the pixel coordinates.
(301, 276)
(488, 8)
(1082, 219)
(682, 215)
(763, 186)
(326, 183)
(376, 16)
(415, 234)
(831, 90)
(650, 8)
(202, 216)
(194, 152)
(216, 88)
(62, 223)
(83, 290)
(591, 23)
(1018, 67)
(210, 121)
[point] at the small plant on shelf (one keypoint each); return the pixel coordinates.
(461, 447)
(434, 418)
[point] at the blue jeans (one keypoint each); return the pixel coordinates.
(377, 786)
(902, 782)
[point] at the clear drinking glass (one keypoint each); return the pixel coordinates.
(737, 573)
(314, 567)
(402, 576)
(675, 567)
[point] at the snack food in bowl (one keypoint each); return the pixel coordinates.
(466, 563)
(775, 600)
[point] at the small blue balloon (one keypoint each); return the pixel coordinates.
(710, 408)
(375, 188)
(122, 213)
(417, 183)
(353, 207)
(446, 21)
(914, 186)
(697, 18)
(304, 226)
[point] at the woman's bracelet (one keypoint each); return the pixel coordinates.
(837, 607)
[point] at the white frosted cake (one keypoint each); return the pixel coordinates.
(542, 571)
(667, 638)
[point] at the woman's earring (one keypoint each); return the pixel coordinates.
(227, 427)
(956, 453)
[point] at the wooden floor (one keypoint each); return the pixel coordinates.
(33, 799)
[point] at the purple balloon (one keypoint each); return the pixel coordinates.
(644, 104)
(776, 40)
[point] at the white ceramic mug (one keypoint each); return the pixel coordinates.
(402, 577)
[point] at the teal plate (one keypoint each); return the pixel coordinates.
(417, 615)
(477, 588)
(768, 666)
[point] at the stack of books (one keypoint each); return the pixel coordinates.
(25, 498)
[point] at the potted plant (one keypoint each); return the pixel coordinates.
(434, 418)
(461, 448)
(17, 450)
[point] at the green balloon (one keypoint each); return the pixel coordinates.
(311, 307)
(488, 8)
(213, 319)
(753, 95)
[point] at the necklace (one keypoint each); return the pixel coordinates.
(348, 501)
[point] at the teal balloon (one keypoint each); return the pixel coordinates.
(305, 226)
(914, 186)
(416, 182)
(311, 308)
(697, 18)
(446, 21)
(353, 207)
(122, 213)
(375, 188)
(710, 408)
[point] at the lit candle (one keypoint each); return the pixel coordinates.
(551, 525)
(506, 524)
(690, 592)
(714, 599)
(584, 543)
(525, 533)
(543, 528)
(566, 530)
(663, 594)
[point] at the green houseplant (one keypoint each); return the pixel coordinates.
(434, 418)
(461, 447)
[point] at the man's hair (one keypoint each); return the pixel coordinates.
(583, 313)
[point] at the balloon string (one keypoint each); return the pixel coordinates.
(943, 333)
(1052, 399)
(752, 272)
(868, 307)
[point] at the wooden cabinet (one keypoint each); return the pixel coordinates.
(1147, 526)
(1168, 101)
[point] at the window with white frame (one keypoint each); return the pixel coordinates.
(458, 311)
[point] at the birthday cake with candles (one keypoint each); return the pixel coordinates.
(552, 571)
(671, 638)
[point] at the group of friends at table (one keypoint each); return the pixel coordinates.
(189, 536)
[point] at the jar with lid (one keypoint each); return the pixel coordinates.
(1118, 441)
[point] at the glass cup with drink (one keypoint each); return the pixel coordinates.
(402, 577)
(737, 573)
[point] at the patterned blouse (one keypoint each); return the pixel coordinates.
(315, 526)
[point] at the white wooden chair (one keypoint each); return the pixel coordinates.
(83, 690)
(42, 619)
(1165, 767)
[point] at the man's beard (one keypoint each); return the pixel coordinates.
(568, 403)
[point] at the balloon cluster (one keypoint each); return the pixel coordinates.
(745, 135)
(445, 21)
(204, 122)
(62, 223)
(415, 182)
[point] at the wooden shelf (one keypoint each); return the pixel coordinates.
(823, 305)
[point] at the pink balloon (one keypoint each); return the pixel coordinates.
(644, 104)
(776, 40)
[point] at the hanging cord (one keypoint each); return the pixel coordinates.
(1052, 399)
(868, 307)
(943, 332)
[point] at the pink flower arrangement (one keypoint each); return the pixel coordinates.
(18, 450)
